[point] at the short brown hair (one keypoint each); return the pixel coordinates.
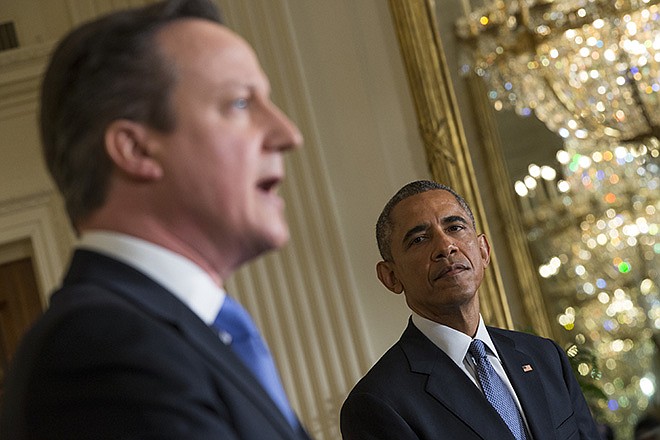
(107, 69)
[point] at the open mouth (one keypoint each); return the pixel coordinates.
(269, 185)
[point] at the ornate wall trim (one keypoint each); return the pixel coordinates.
(20, 75)
(36, 219)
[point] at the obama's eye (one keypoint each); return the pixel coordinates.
(417, 240)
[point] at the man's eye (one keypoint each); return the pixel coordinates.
(417, 240)
(455, 228)
(240, 103)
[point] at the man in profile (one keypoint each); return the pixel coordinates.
(159, 131)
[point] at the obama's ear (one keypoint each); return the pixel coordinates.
(484, 248)
(132, 150)
(387, 276)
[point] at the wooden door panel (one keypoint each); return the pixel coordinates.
(20, 306)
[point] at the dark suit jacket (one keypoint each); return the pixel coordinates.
(116, 356)
(415, 391)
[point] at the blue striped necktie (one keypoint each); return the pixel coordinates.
(496, 391)
(247, 343)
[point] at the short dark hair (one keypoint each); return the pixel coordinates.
(107, 69)
(384, 224)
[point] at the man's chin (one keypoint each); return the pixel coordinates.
(275, 238)
(281, 240)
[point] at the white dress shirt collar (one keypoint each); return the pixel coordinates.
(456, 344)
(453, 342)
(183, 278)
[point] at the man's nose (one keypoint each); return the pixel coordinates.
(444, 247)
(283, 134)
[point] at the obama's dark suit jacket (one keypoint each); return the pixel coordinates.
(415, 391)
(117, 356)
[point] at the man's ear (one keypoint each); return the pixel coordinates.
(484, 248)
(132, 150)
(386, 275)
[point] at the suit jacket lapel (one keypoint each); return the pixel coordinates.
(209, 344)
(151, 297)
(528, 385)
(449, 385)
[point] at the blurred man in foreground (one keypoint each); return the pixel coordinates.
(159, 131)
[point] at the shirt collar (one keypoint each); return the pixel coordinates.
(453, 342)
(183, 278)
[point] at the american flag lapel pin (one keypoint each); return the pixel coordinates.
(527, 368)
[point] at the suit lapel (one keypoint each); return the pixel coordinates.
(449, 385)
(528, 385)
(209, 344)
(155, 300)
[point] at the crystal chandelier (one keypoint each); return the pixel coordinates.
(587, 68)
(594, 234)
(590, 70)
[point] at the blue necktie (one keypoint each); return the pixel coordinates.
(496, 391)
(247, 343)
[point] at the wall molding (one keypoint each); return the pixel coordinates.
(37, 219)
(20, 76)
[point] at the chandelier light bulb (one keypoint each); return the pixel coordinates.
(530, 182)
(548, 173)
(520, 188)
(534, 170)
(563, 157)
(563, 186)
